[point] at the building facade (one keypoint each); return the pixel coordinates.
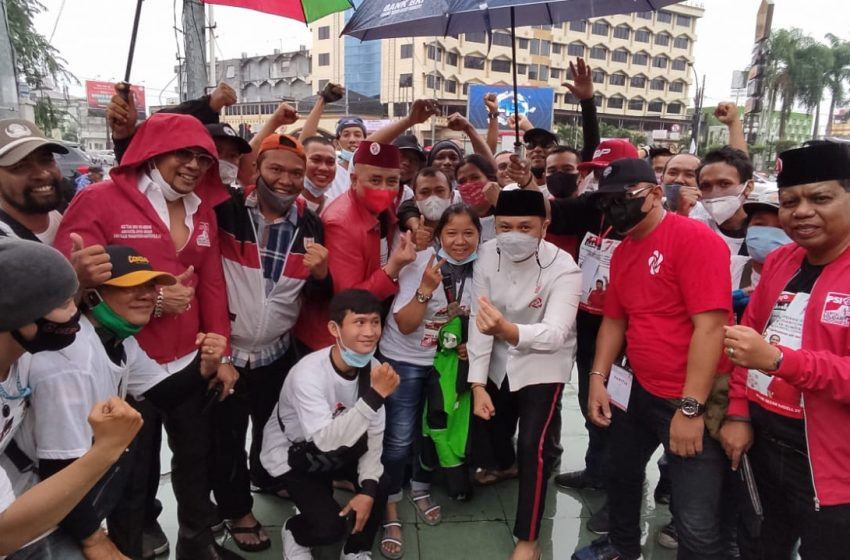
(642, 64)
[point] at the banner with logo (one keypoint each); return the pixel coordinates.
(98, 95)
(534, 103)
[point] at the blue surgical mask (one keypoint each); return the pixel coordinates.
(443, 255)
(349, 356)
(346, 155)
(763, 240)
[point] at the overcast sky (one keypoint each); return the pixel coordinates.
(93, 36)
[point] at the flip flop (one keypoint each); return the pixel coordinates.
(254, 530)
(391, 540)
(423, 514)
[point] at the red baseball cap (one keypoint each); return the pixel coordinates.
(609, 151)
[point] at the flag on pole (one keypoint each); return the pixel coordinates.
(306, 11)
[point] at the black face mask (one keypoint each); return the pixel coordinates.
(50, 336)
(562, 185)
(625, 213)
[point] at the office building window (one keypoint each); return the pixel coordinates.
(682, 42)
(499, 65)
(636, 104)
(620, 55)
(575, 49)
(598, 100)
(451, 86)
(324, 32)
(522, 43)
(642, 36)
(465, 88)
(231, 71)
(675, 108)
(638, 81)
(662, 39)
(599, 53)
(501, 39)
(656, 106)
(657, 84)
(600, 28)
(522, 69)
(660, 61)
(556, 73)
(598, 76)
(622, 32)
(616, 102)
(435, 53)
(407, 51)
(473, 62)
(640, 59)
(683, 21)
(680, 64)
(433, 82)
(324, 59)
(476, 37)
(677, 87)
(451, 59)
(618, 79)
(664, 17)
(644, 15)
(556, 48)
(405, 80)
(578, 25)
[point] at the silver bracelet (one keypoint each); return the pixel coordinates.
(160, 298)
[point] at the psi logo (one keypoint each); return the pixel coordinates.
(836, 309)
(655, 262)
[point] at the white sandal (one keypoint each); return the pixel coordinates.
(391, 540)
(423, 514)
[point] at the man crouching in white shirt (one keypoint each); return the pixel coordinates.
(521, 346)
(329, 425)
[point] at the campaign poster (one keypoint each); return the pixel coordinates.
(98, 95)
(535, 103)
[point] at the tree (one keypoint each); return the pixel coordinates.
(37, 62)
(838, 75)
(815, 61)
(782, 70)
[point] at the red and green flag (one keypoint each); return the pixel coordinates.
(306, 11)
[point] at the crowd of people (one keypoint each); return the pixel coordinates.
(388, 318)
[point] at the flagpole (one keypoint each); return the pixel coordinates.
(517, 143)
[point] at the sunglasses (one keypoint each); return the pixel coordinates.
(544, 145)
(606, 202)
(185, 155)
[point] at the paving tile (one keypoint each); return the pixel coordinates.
(474, 540)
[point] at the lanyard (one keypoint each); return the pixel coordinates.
(23, 392)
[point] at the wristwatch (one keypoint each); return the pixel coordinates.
(777, 363)
(226, 361)
(422, 298)
(691, 408)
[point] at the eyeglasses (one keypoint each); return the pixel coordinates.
(185, 155)
(604, 203)
(546, 145)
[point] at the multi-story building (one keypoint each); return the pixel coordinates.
(641, 64)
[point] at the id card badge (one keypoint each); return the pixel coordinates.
(620, 387)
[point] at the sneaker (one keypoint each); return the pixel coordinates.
(598, 522)
(154, 541)
(577, 480)
(362, 555)
(668, 537)
(291, 549)
(602, 549)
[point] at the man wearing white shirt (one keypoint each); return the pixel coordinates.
(521, 346)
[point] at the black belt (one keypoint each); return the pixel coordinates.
(20, 459)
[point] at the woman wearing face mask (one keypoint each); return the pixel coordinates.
(521, 347)
(479, 189)
(432, 290)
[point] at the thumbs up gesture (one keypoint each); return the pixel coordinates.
(423, 236)
(90, 263)
(178, 298)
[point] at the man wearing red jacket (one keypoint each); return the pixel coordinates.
(359, 229)
(790, 394)
(160, 202)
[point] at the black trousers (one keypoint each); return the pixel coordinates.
(256, 396)
(534, 411)
(784, 481)
(318, 522)
(595, 459)
(188, 429)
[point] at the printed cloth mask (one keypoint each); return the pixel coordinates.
(50, 336)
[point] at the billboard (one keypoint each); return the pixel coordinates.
(535, 103)
(98, 95)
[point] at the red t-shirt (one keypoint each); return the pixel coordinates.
(658, 283)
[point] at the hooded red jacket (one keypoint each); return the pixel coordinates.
(820, 369)
(116, 212)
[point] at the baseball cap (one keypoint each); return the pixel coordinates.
(761, 200)
(411, 143)
(346, 122)
(19, 138)
(283, 142)
(623, 174)
(539, 137)
(609, 151)
(130, 269)
(224, 130)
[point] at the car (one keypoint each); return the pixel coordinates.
(68, 163)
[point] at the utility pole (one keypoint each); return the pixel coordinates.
(8, 81)
(194, 46)
(211, 57)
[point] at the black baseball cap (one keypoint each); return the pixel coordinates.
(224, 130)
(623, 174)
(539, 137)
(130, 269)
(346, 122)
(411, 143)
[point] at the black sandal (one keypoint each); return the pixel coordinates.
(255, 530)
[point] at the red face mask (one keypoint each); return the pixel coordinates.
(378, 200)
(472, 193)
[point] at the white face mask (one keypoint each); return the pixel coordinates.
(346, 155)
(228, 172)
(167, 190)
(433, 207)
(517, 246)
(311, 187)
(724, 207)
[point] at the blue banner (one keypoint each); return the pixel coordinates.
(535, 103)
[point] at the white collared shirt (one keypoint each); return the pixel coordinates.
(191, 202)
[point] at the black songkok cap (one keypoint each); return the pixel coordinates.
(521, 203)
(815, 163)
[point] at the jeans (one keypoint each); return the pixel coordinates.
(697, 482)
(257, 394)
(595, 461)
(784, 481)
(404, 425)
(55, 546)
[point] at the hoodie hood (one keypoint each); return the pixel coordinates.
(163, 133)
(444, 145)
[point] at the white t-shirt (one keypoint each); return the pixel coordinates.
(340, 184)
(47, 236)
(7, 495)
(13, 408)
(68, 383)
(420, 346)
